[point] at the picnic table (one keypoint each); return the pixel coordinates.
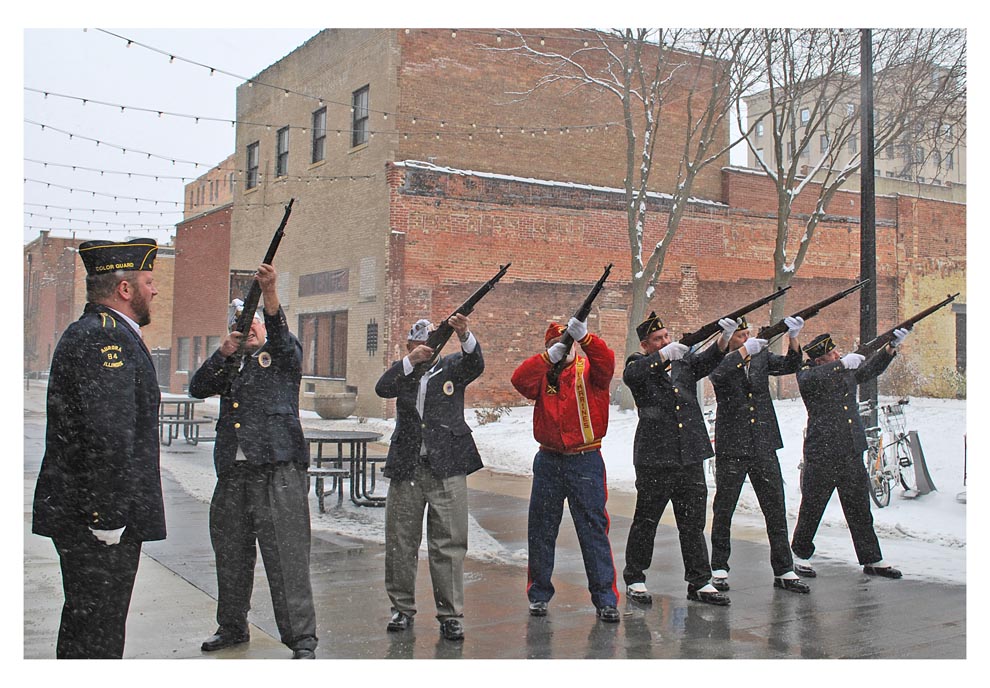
(350, 461)
(177, 417)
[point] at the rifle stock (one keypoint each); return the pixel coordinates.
(770, 331)
(438, 337)
(581, 314)
(880, 340)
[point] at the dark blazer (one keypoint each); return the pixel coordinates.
(261, 411)
(100, 468)
(835, 428)
(671, 429)
(449, 444)
(746, 423)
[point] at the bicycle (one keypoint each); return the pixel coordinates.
(888, 456)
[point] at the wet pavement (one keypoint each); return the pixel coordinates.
(847, 615)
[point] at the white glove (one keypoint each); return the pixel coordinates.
(729, 326)
(577, 329)
(674, 351)
(899, 334)
(853, 361)
(754, 345)
(794, 325)
(108, 537)
(557, 352)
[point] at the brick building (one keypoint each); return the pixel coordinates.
(377, 240)
(55, 294)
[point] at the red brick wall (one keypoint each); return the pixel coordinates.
(558, 239)
(463, 82)
(202, 285)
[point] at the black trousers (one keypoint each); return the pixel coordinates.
(97, 580)
(764, 476)
(267, 505)
(820, 478)
(685, 487)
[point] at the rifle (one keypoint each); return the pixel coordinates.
(706, 331)
(439, 336)
(770, 331)
(251, 300)
(581, 314)
(882, 339)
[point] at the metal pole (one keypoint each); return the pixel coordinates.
(867, 213)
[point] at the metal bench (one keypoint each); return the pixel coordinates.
(171, 428)
(337, 474)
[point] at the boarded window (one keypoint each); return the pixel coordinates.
(331, 282)
(324, 340)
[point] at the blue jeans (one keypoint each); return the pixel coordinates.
(580, 479)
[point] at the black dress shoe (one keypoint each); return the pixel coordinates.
(885, 571)
(720, 584)
(715, 598)
(303, 653)
(537, 608)
(791, 584)
(400, 621)
(451, 629)
(805, 571)
(607, 614)
(222, 639)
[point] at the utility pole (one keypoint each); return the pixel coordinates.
(867, 213)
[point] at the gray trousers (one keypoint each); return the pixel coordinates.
(445, 501)
(267, 504)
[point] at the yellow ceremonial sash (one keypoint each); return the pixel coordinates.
(581, 394)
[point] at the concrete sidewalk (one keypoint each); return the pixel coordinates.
(847, 614)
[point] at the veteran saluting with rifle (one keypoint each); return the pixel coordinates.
(261, 458)
(429, 458)
(836, 440)
(569, 421)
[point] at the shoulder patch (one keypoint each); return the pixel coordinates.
(112, 356)
(108, 320)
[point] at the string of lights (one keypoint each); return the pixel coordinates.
(115, 197)
(48, 228)
(105, 223)
(469, 127)
(160, 213)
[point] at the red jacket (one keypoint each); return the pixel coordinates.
(574, 417)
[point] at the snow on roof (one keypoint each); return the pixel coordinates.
(419, 164)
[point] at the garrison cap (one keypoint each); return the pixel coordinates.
(819, 346)
(420, 331)
(648, 326)
(100, 256)
(554, 330)
(743, 324)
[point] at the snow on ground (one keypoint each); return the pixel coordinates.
(925, 536)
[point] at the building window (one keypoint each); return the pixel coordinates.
(961, 339)
(919, 155)
(759, 129)
(230, 180)
(852, 144)
(324, 340)
(282, 152)
(359, 117)
(252, 166)
(790, 150)
(823, 140)
(805, 115)
(212, 344)
(948, 161)
(330, 282)
(182, 355)
(197, 352)
(850, 109)
(319, 134)
(888, 151)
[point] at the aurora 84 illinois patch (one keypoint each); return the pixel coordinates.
(112, 356)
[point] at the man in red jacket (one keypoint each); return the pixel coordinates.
(569, 422)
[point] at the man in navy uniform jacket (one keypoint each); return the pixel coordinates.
(746, 442)
(99, 492)
(261, 459)
(429, 457)
(833, 450)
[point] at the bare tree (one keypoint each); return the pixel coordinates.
(811, 94)
(650, 72)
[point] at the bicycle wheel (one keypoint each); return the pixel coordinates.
(879, 487)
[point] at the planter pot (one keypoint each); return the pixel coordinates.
(339, 405)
